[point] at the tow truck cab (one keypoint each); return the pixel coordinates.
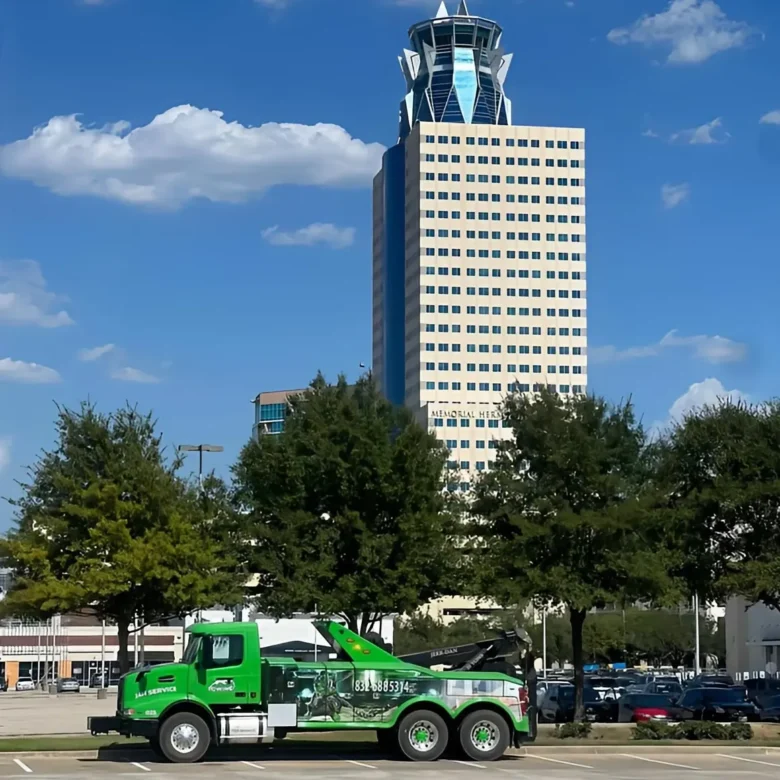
(223, 692)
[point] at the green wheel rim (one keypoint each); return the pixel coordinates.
(485, 736)
(423, 736)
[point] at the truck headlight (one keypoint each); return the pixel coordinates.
(129, 712)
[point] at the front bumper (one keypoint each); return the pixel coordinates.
(127, 727)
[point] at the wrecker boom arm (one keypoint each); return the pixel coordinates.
(472, 656)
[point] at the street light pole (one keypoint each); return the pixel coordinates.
(200, 449)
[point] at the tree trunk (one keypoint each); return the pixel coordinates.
(353, 622)
(530, 682)
(368, 623)
(123, 653)
(577, 620)
(142, 646)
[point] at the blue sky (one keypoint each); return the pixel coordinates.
(176, 230)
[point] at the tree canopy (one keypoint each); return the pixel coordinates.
(105, 526)
(719, 501)
(560, 517)
(344, 512)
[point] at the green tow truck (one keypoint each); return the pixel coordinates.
(224, 692)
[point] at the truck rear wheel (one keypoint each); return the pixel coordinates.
(422, 735)
(484, 735)
(184, 738)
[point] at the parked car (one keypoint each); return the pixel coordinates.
(770, 709)
(761, 689)
(605, 687)
(96, 681)
(543, 687)
(638, 707)
(710, 680)
(558, 706)
(25, 684)
(664, 678)
(3, 684)
(68, 685)
(672, 690)
(714, 703)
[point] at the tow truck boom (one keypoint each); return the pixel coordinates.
(473, 656)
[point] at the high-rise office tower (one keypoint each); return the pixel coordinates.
(479, 245)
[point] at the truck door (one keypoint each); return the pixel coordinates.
(222, 676)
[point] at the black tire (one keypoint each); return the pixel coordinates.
(154, 745)
(387, 739)
(483, 735)
(422, 735)
(189, 732)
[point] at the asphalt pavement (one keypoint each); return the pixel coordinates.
(718, 764)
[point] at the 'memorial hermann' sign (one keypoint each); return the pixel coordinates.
(470, 413)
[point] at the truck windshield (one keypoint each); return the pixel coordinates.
(191, 653)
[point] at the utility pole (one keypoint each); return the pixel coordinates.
(697, 661)
(103, 675)
(200, 449)
(544, 642)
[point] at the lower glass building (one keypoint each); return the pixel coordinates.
(271, 411)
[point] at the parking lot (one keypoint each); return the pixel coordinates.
(718, 764)
(22, 714)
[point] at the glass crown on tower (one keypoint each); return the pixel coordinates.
(455, 71)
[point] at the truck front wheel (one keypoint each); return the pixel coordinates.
(484, 735)
(184, 738)
(422, 735)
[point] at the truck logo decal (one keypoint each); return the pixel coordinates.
(155, 691)
(222, 686)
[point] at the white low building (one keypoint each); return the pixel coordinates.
(752, 639)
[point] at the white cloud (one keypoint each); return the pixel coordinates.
(24, 298)
(129, 374)
(711, 349)
(695, 30)
(95, 353)
(673, 195)
(187, 153)
(709, 133)
(706, 393)
(772, 118)
(5, 452)
(317, 233)
(27, 373)
(649, 133)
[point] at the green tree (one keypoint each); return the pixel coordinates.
(105, 527)
(559, 517)
(558, 639)
(604, 638)
(344, 512)
(422, 632)
(719, 505)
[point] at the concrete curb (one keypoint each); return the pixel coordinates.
(629, 747)
(140, 753)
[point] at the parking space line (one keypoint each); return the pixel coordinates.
(254, 766)
(658, 761)
(360, 763)
(24, 766)
(559, 761)
(749, 760)
(140, 766)
(469, 764)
